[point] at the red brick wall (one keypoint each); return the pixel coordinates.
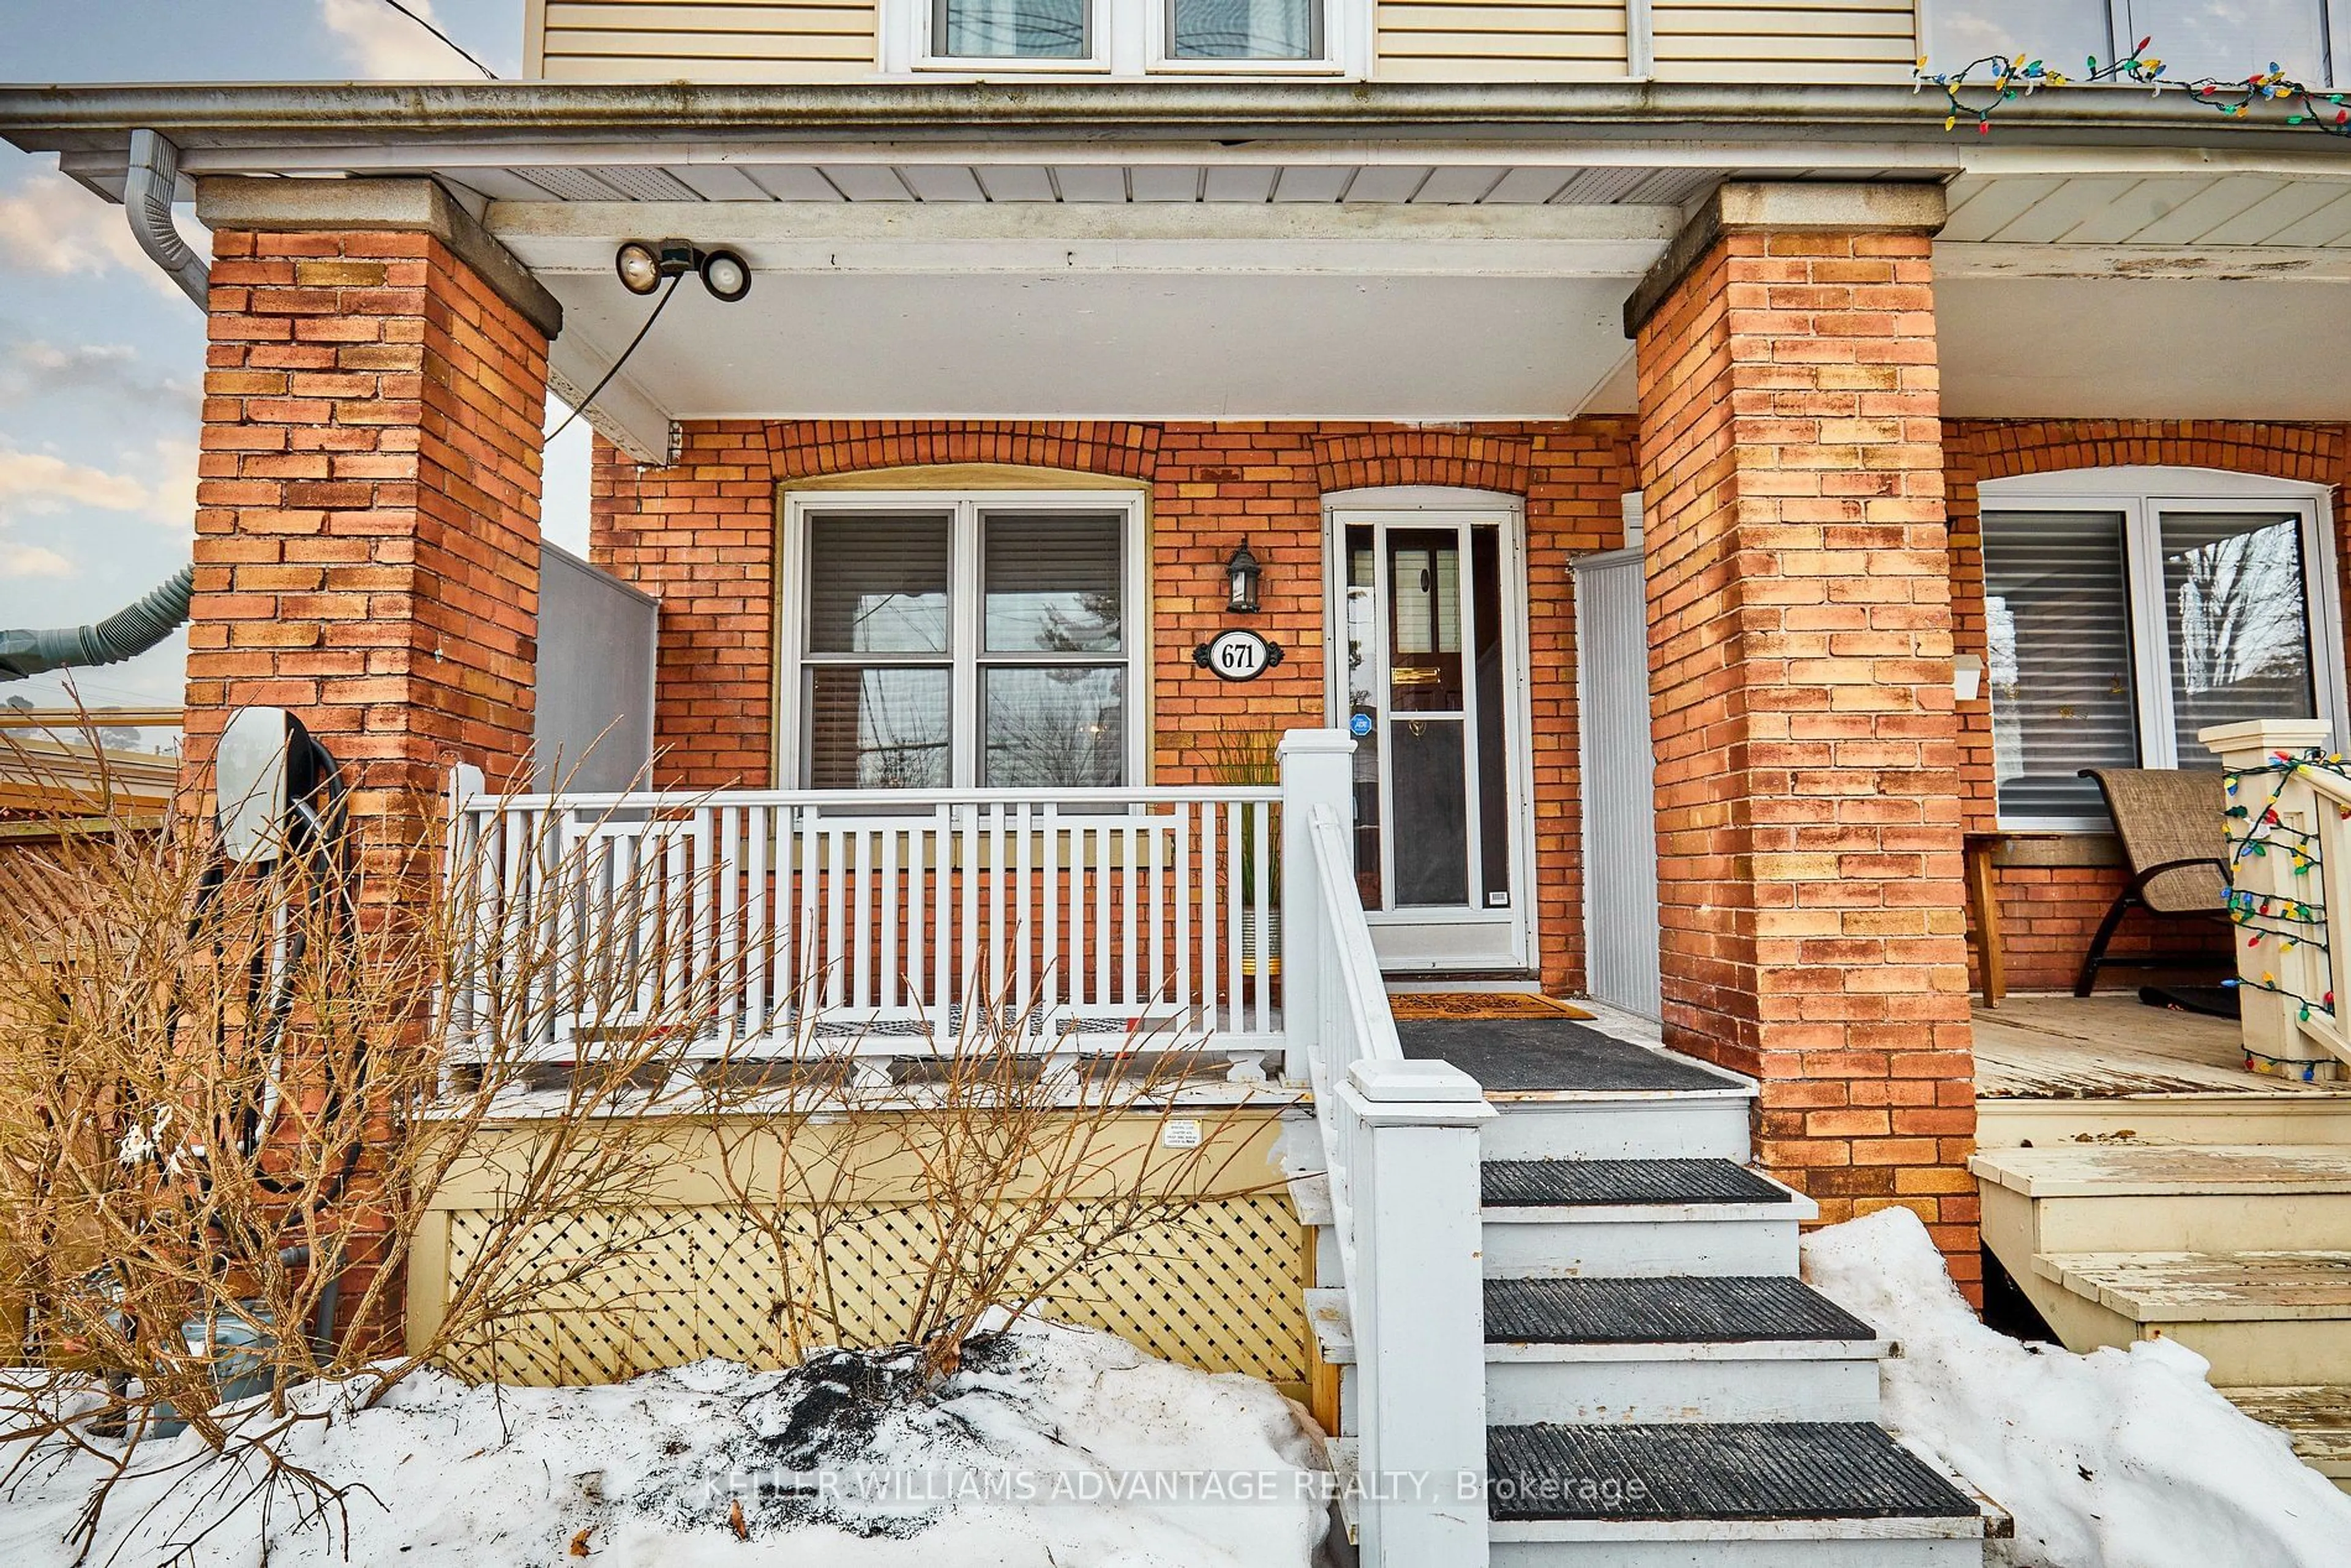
(1807, 783)
(2048, 914)
(702, 534)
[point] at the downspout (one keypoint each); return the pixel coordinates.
(124, 634)
(150, 183)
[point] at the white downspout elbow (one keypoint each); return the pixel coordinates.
(152, 183)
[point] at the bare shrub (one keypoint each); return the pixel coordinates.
(232, 1097)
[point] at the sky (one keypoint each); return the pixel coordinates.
(102, 356)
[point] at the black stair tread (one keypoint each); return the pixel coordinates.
(1524, 1184)
(1675, 1311)
(1731, 1470)
(1522, 1055)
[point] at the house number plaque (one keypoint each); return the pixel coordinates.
(1236, 656)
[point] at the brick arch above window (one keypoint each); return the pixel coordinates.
(1977, 450)
(805, 449)
(1458, 458)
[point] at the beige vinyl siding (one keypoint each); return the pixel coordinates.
(669, 40)
(1442, 40)
(1783, 40)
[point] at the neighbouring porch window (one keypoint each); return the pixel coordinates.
(952, 642)
(2226, 39)
(2119, 625)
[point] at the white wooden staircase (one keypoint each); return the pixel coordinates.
(1660, 1385)
(2241, 1252)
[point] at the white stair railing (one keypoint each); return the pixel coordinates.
(1400, 1145)
(2289, 822)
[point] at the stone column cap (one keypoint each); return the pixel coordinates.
(1787, 206)
(412, 205)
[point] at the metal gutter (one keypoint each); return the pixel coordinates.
(196, 116)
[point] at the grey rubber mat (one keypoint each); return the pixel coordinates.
(1522, 1054)
(1520, 1184)
(1685, 1310)
(1773, 1469)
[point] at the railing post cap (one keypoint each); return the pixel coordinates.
(1387, 1081)
(2266, 735)
(1296, 742)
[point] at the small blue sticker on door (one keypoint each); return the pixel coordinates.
(1360, 725)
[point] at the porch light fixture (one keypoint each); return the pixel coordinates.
(1242, 573)
(645, 265)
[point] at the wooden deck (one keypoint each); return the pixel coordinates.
(2109, 1069)
(2113, 1047)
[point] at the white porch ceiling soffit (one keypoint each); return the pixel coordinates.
(1411, 254)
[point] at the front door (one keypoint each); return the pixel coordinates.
(1429, 687)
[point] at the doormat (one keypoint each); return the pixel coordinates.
(1480, 1005)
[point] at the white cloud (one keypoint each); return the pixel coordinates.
(49, 225)
(20, 561)
(383, 44)
(165, 493)
(34, 369)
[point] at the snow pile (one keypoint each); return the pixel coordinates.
(1051, 1445)
(2113, 1460)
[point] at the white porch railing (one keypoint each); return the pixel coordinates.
(878, 915)
(2289, 869)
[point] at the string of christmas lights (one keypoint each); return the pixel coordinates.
(1976, 90)
(2256, 834)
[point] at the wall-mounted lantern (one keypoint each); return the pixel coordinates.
(1242, 572)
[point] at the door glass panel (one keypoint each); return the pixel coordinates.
(877, 583)
(1493, 789)
(1432, 860)
(877, 729)
(2233, 602)
(1362, 675)
(1424, 621)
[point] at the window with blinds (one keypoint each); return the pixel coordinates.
(2057, 602)
(954, 641)
(2119, 627)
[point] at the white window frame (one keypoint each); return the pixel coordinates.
(1130, 38)
(966, 630)
(2142, 494)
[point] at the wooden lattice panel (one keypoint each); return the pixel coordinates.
(1219, 1290)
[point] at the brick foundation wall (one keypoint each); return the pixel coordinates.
(1807, 782)
(702, 534)
(2048, 914)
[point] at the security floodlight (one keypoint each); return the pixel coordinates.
(645, 265)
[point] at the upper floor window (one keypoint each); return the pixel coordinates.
(1125, 38)
(952, 640)
(2127, 609)
(2226, 39)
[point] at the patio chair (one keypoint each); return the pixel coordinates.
(2173, 838)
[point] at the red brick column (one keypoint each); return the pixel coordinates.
(367, 523)
(1808, 793)
(367, 526)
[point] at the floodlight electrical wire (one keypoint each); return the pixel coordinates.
(661, 305)
(426, 24)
